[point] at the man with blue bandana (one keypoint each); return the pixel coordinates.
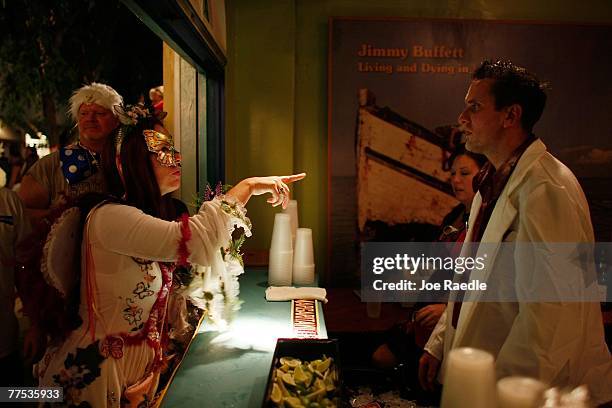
(63, 176)
(73, 170)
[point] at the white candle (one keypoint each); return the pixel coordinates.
(520, 392)
(469, 379)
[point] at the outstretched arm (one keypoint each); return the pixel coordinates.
(129, 231)
(278, 187)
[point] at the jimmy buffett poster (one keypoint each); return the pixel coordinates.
(396, 88)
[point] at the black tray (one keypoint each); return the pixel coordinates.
(304, 349)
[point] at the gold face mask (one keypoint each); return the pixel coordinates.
(163, 146)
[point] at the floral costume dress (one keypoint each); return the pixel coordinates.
(114, 358)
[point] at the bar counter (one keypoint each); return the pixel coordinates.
(230, 368)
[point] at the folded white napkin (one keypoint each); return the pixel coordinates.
(282, 293)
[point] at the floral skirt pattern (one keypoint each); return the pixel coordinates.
(103, 373)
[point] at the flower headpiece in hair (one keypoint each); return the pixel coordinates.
(128, 115)
(158, 143)
(162, 145)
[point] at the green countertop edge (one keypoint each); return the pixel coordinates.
(214, 375)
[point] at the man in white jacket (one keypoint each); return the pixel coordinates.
(525, 195)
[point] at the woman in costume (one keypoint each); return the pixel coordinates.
(128, 253)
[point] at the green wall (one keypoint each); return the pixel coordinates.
(277, 85)
(260, 99)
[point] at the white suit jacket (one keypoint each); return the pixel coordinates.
(560, 343)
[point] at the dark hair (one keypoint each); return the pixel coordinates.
(460, 150)
(514, 85)
(140, 189)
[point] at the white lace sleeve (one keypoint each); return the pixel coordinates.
(215, 287)
(222, 214)
(237, 213)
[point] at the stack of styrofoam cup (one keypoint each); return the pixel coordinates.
(469, 380)
(292, 210)
(281, 252)
(303, 258)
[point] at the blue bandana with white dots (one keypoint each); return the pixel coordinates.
(78, 163)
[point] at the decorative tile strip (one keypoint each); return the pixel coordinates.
(305, 318)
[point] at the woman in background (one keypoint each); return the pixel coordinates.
(406, 341)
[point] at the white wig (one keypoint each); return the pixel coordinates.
(97, 93)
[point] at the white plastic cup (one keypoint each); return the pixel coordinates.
(281, 252)
(303, 275)
(292, 210)
(281, 234)
(303, 258)
(469, 379)
(520, 392)
(279, 268)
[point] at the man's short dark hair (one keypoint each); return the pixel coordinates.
(514, 85)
